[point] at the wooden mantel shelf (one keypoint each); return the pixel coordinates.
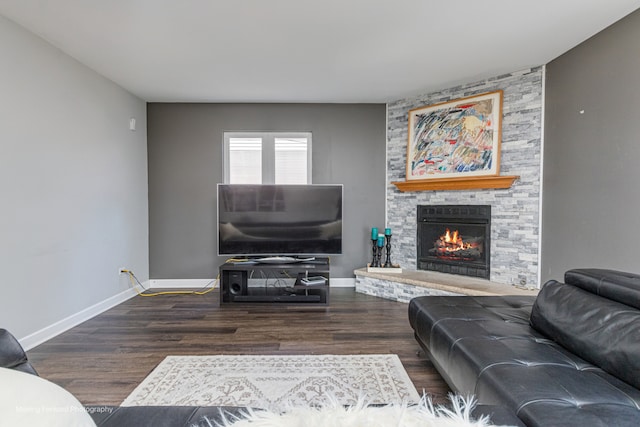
(465, 183)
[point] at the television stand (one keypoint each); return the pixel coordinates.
(275, 282)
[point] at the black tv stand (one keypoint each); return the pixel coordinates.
(252, 281)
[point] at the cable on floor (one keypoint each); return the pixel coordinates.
(146, 293)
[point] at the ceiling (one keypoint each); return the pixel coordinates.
(339, 51)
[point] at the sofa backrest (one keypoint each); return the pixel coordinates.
(590, 321)
(614, 285)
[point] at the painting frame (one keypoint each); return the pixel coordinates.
(455, 139)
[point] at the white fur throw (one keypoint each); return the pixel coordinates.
(424, 414)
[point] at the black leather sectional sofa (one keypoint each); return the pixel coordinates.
(568, 357)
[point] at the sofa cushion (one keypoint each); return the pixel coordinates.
(450, 328)
(426, 311)
(614, 285)
(603, 332)
(28, 400)
(554, 412)
(571, 393)
(165, 416)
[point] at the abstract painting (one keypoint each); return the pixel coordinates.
(454, 139)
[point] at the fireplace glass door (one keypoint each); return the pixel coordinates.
(454, 239)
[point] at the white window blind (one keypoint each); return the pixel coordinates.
(245, 160)
(267, 158)
(291, 160)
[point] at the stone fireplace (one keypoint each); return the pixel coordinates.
(514, 239)
(454, 239)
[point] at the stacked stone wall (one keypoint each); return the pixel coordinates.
(515, 211)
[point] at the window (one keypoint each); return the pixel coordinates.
(267, 158)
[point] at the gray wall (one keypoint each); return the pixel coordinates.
(73, 180)
(185, 164)
(591, 175)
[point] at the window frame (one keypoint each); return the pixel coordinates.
(268, 152)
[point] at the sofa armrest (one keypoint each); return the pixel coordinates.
(12, 354)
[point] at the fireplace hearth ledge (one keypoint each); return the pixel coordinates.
(412, 283)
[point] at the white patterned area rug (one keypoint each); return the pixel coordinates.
(275, 381)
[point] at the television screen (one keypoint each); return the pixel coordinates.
(279, 219)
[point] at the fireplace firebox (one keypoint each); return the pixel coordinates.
(454, 239)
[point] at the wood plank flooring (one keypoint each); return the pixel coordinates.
(102, 360)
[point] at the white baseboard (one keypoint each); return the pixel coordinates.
(336, 282)
(45, 334)
(343, 282)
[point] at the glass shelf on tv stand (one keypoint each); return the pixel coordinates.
(275, 283)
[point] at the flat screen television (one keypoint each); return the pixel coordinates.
(258, 220)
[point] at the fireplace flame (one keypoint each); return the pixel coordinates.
(453, 246)
(453, 241)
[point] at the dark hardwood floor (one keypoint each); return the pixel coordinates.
(102, 360)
